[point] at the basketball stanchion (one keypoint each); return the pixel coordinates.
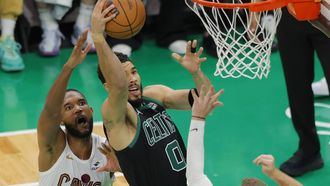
(244, 32)
(323, 21)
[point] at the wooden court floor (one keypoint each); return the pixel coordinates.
(253, 120)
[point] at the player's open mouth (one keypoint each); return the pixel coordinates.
(81, 119)
(133, 90)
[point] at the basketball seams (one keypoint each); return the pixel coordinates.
(136, 28)
(128, 34)
(136, 12)
(133, 27)
(130, 21)
(124, 11)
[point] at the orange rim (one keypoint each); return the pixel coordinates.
(254, 7)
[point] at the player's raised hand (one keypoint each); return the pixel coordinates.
(112, 164)
(205, 102)
(102, 13)
(79, 53)
(267, 163)
(191, 60)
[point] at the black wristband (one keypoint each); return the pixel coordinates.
(190, 97)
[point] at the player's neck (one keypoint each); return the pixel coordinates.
(82, 148)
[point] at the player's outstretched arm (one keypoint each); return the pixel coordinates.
(116, 82)
(48, 130)
(202, 106)
(267, 163)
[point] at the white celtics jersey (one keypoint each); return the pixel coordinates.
(70, 170)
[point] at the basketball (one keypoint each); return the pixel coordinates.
(129, 21)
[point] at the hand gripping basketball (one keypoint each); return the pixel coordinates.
(129, 20)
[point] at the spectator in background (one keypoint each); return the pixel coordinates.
(168, 24)
(298, 41)
(10, 56)
(49, 12)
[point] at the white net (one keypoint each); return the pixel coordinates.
(243, 38)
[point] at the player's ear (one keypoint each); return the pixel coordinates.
(106, 86)
(91, 109)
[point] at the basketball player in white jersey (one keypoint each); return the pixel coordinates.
(203, 105)
(69, 156)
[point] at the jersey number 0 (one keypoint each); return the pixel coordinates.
(175, 156)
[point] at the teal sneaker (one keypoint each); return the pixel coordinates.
(10, 56)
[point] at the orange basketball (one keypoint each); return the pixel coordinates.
(129, 21)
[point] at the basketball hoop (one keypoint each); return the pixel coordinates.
(242, 32)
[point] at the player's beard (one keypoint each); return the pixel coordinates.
(137, 103)
(76, 133)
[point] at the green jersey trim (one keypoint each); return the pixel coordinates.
(137, 133)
